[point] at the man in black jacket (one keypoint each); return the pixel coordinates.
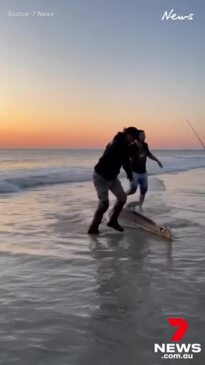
(115, 156)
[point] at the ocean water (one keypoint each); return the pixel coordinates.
(23, 169)
(70, 299)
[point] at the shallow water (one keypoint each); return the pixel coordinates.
(29, 168)
(67, 298)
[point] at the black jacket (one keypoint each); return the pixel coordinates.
(114, 157)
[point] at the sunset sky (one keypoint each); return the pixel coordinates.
(76, 78)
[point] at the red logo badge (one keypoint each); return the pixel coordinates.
(182, 325)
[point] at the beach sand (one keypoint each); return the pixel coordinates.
(69, 298)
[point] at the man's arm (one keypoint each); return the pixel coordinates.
(152, 157)
(127, 167)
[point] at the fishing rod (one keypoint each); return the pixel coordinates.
(196, 134)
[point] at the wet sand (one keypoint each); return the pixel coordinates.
(69, 298)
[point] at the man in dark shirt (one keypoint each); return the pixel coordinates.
(105, 178)
(139, 151)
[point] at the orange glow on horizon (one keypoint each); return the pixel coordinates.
(41, 116)
(80, 134)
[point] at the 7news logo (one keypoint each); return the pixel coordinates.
(176, 350)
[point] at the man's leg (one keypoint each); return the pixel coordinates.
(133, 185)
(141, 199)
(102, 188)
(118, 191)
(143, 181)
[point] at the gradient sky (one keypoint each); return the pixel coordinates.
(74, 79)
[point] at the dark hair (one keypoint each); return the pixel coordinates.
(132, 131)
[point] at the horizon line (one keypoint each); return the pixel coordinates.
(94, 148)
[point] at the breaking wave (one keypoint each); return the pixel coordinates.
(19, 180)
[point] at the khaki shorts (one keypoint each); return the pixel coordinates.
(103, 186)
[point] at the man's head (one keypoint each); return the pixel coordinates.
(131, 134)
(141, 136)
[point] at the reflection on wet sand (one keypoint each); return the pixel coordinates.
(123, 288)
